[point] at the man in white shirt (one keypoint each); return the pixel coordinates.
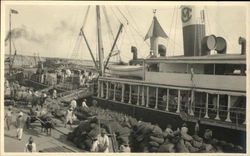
(103, 142)
(69, 117)
(84, 105)
(73, 104)
(30, 146)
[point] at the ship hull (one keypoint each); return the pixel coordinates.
(237, 137)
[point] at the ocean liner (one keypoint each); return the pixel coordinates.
(197, 86)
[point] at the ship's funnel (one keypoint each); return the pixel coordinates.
(134, 51)
(193, 26)
(162, 50)
(242, 42)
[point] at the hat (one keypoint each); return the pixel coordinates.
(30, 139)
(184, 125)
(103, 131)
(20, 114)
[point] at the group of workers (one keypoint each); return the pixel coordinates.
(70, 115)
(20, 122)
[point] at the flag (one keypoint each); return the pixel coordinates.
(13, 11)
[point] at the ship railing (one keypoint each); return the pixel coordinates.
(199, 109)
(237, 114)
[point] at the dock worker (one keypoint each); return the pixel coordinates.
(84, 105)
(103, 141)
(73, 104)
(30, 146)
(54, 95)
(184, 133)
(69, 117)
(20, 124)
(8, 118)
(94, 147)
(197, 127)
(124, 148)
(169, 132)
(164, 100)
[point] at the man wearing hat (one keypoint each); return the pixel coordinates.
(125, 147)
(103, 141)
(20, 124)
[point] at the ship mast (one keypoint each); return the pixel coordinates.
(99, 39)
(12, 11)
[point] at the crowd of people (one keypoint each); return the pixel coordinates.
(19, 125)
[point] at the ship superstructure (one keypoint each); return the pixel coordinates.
(195, 87)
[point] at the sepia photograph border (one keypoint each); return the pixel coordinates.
(3, 32)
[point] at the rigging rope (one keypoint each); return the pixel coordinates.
(115, 14)
(171, 27)
(110, 29)
(136, 26)
(175, 29)
(73, 41)
(122, 14)
(226, 35)
(75, 50)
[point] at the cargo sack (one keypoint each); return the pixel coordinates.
(197, 144)
(93, 133)
(140, 138)
(186, 137)
(153, 149)
(197, 138)
(166, 148)
(180, 147)
(155, 139)
(157, 131)
(125, 132)
(152, 143)
(123, 139)
(190, 147)
(133, 121)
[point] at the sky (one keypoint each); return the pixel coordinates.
(52, 30)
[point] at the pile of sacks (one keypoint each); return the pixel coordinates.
(181, 142)
(146, 137)
(83, 135)
(82, 113)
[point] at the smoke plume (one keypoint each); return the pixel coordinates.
(26, 34)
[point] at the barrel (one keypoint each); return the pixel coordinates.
(208, 43)
(221, 45)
